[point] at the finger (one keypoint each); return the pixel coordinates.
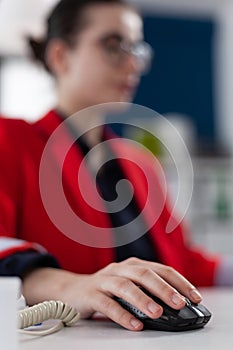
(172, 277)
(115, 312)
(155, 284)
(127, 290)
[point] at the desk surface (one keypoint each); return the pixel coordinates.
(101, 335)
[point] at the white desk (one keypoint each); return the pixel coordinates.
(106, 335)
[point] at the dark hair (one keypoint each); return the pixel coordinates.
(64, 22)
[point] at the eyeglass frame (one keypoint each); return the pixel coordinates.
(130, 49)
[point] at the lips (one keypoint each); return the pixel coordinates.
(128, 87)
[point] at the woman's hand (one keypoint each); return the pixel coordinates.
(91, 293)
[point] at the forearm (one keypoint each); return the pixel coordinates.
(49, 284)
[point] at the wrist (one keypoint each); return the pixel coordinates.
(46, 283)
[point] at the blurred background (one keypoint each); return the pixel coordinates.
(191, 84)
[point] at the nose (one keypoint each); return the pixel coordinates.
(132, 64)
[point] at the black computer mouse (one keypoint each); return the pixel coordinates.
(191, 316)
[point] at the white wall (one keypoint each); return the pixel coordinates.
(18, 18)
(27, 90)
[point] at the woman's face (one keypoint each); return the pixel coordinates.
(98, 70)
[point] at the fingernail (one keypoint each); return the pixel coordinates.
(194, 294)
(177, 299)
(135, 323)
(153, 308)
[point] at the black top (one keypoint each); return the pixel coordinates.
(107, 178)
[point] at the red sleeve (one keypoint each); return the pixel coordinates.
(197, 264)
(9, 177)
(11, 188)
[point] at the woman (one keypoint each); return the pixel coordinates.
(92, 49)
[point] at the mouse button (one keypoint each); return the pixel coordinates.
(187, 313)
(203, 309)
(206, 313)
(168, 311)
(170, 319)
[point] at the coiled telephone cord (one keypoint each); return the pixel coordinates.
(41, 312)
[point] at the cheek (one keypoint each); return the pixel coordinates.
(94, 82)
(97, 84)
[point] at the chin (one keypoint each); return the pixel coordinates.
(114, 107)
(116, 102)
(127, 98)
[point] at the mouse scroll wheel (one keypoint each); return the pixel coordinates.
(188, 302)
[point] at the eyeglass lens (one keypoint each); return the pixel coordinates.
(119, 48)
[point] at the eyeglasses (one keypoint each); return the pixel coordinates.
(118, 49)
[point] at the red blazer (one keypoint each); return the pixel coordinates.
(23, 214)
